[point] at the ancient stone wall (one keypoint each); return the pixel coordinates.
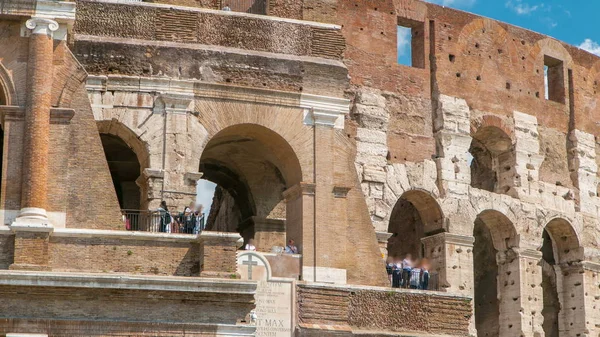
(187, 25)
(368, 310)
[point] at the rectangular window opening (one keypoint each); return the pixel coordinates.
(554, 80)
(410, 43)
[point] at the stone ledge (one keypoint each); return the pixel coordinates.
(228, 13)
(225, 236)
(123, 235)
(346, 287)
(128, 282)
(65, 327)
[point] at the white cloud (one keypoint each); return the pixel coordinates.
(590, 46)
(454, 3)
(404, 40)
(522, 8)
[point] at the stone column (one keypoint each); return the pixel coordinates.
(453, 136)
(570, 285)
(520, 294)
(299, 206)
(32, 228)
(451, 256)
(592, 296)
(34, 191)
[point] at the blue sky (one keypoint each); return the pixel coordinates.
(571, 21)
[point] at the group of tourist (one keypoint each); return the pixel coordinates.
(190, 221)
(408, 273)
(290, 248)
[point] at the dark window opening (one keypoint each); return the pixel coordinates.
(124, 170)
(554, 79)
(410, 43)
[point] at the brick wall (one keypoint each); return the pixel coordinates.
(161, 23)
(114, 255)
(381, 309)
(92, 201)
(31, 250)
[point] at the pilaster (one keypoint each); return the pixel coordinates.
(219, 254)
(584, 171)
(452, 131)
(571, 287)
(451, 256)
(31, 245)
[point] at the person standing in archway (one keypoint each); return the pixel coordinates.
(407, 265)
(250, 245)
(291, 247)
(165, 217)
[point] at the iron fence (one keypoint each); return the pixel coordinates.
(162, 222)
(414, 279)
(246, 6)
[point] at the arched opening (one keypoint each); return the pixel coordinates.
(124, 170)
(549, 288)
(415, 216)
(252, 166)
(492, 164)
(3, 98)
(493, 232)
(560, 245)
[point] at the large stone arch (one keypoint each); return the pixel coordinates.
(119, 135)
(415, 216)
(493, 164)
(255, 165)
(562, 282)
(495, 279)
(565, 240)
(118, 129)
(285, 122)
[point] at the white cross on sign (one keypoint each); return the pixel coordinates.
(250, 264)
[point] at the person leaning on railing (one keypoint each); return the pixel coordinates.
(165, 218)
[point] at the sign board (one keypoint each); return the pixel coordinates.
(275, 297)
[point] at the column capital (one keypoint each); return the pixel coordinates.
(298, 190)
(39, 25)
(324, 110)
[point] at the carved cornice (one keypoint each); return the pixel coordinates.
(325, 111)
(319, 110)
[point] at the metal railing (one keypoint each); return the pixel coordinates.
(246, 6)
(415, 279)
(162, 222)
